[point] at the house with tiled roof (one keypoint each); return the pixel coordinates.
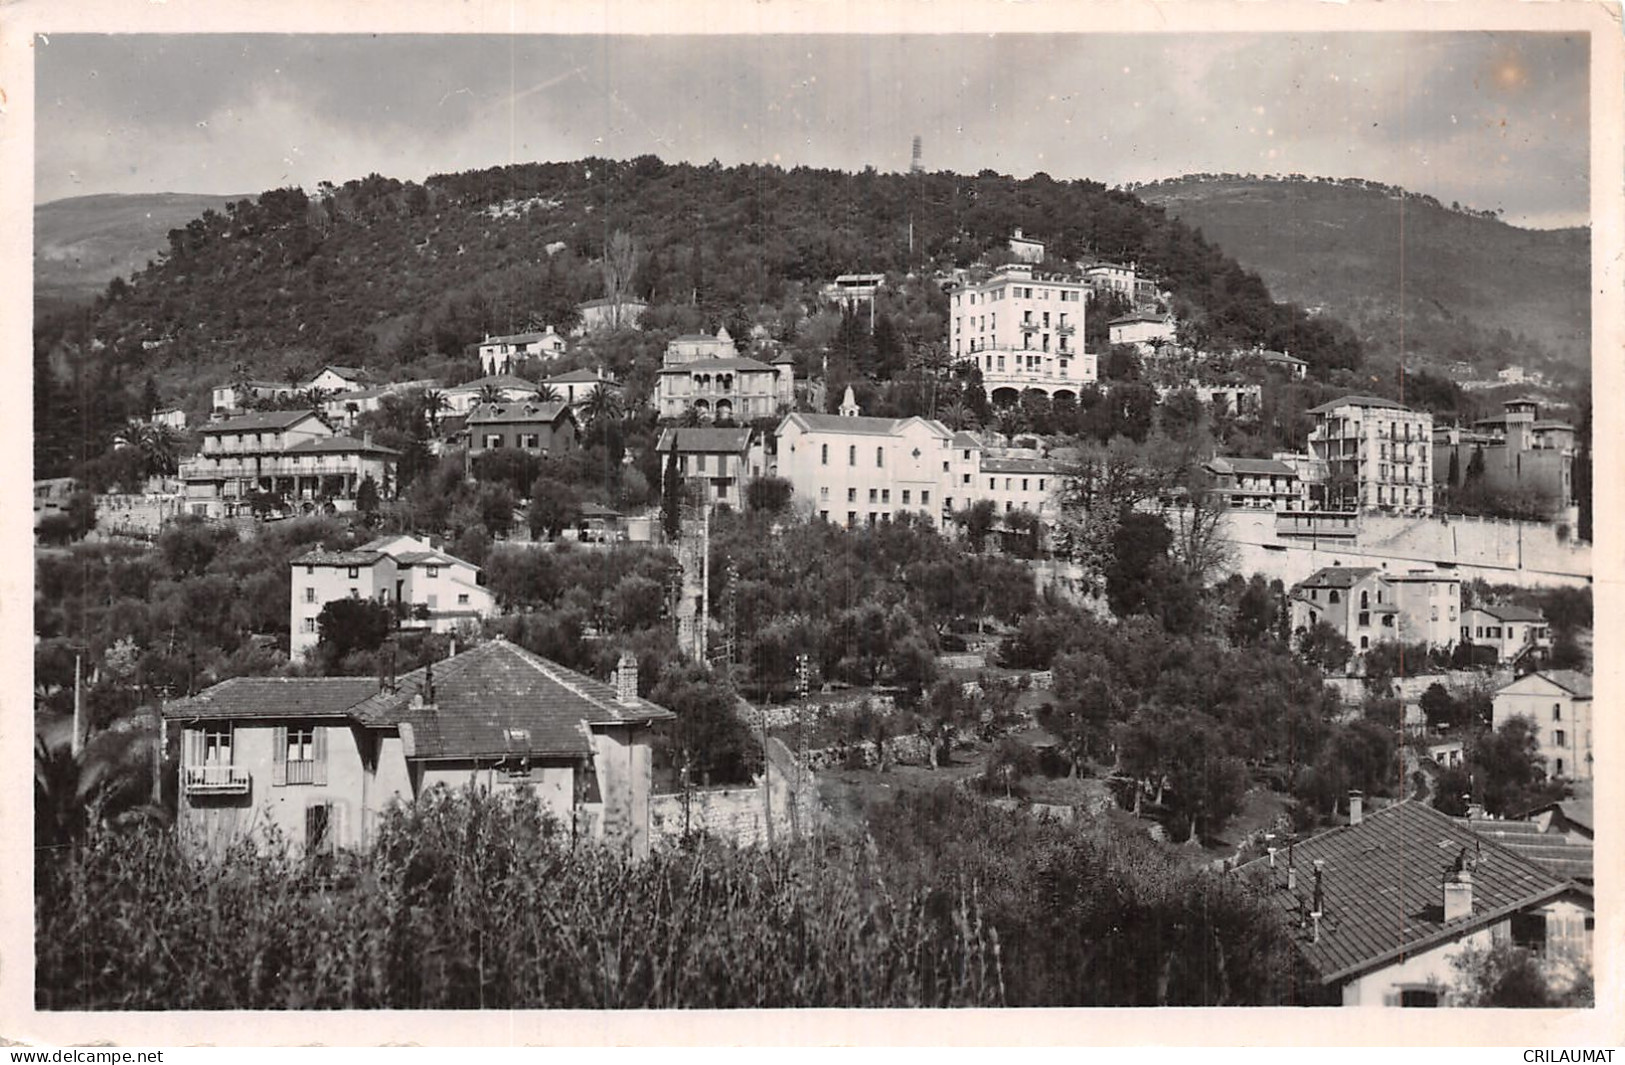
(1368, 605)
(722, 461)
(575, 386)
(334, 379)
(530, 425)
(1544, 840)
(460, 399)
(505, 354)
(1146, 332)
(315, 760)
(1380, 907)
(1558, 703)
(1514, 631)
(706, 374)
(292, 456)
(428, 588)
(1256, 484)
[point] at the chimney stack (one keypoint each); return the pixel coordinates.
(1292, 878)
(1320, 896)
(626, 679)
(1272, 857)
(428, 684)
(1356, 807)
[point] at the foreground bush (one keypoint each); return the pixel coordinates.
(471, 902)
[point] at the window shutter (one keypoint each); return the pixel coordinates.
(339, 817)
(279, 755)
(320, 755)
(194, 746)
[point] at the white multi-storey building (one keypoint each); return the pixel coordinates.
(1024, 331)
(854, 470)
(1377, 455)
(430, 589)
(1558, 703)
(706, 373)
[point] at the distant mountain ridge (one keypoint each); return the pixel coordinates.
(81, 243)
(1473, 287)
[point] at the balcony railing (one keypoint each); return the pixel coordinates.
(1065, 329)
(1029, 327)
(301, 771)
(216, 780)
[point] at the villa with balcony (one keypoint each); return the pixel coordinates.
(294, 457)
(1377, 455)
(705, 373)
(1024, 331)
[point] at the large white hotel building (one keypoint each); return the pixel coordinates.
(1025, 331)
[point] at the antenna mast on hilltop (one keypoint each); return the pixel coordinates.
(914, 170)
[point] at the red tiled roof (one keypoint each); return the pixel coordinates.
(1358, 401)
(707, 440)
(1513, 613)
(1382, 887)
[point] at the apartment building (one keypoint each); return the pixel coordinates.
(1514, 631)
(292, 455)
(1377, 455)
(1024, 330)
(429, 588)
(1256, 484)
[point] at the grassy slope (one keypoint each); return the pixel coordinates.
(1342, 248)
(83, 242)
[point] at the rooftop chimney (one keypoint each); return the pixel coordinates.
(428, 684)
(1356, 807)
(1272, 857)
(626, 679)
(1458, 895)
(1320, 895)
(1292, 878)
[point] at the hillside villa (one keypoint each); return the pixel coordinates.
(316, 760)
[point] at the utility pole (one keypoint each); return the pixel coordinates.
(76, 742)
(702, 638)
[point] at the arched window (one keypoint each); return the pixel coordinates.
(1365, 600)
(1334, 597)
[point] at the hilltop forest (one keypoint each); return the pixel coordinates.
(399, 276)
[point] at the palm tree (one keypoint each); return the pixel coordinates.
(160, 446)
(690, 418)
(491, 394)
(957, 416)
(435, 401)
(547, 393)
(601, 404)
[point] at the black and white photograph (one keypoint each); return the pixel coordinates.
(932, 514)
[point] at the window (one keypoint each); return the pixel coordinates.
(880, 457)
(966, 479)
(1529, 931)
(1557, 711)
(308, 625)
(1331, 596)
(462, 598)
(532, 441)
(874, 495)
(873, 517)
(925, 498)
(319, 829)
(699, 463)
(310, 571)
(823, 455)
(310, 595)
(885, 495)
(355, 571)
(992, 484)
(852, 454)
(1024, 484)
(1559, 738)
(851, 518)
(1365, 643)
(823, 515)
(905, 497)
(493, 441)
(434, 571)
(301, 755)
(823, 493)
(355, 593)
(1419, 997)
(1041, 484)
(851, 495)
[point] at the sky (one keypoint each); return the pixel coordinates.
(1493, 120)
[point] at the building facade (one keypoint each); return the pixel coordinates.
(1514, 631)
(460, 399)
(1146, 332)
(428, 589)
(1368, 606)
(313, 761)
(1516, 451)
(1024, 331)
(854, 470)
(1377, 455)
(293, 456)
(505, 354)
(706, 374)
(1256, 484)
(1558, 703)
(539, 428)
(723, 462)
